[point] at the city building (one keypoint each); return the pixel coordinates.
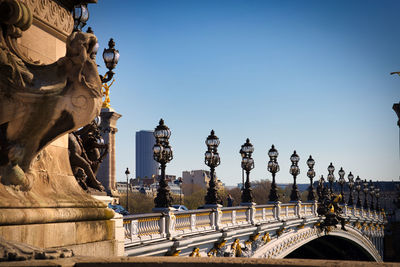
(195, 180)
(146, 166)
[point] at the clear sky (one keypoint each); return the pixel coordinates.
(311, 76)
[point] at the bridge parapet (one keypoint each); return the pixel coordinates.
(248, 227)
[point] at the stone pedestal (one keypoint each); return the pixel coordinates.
(106, 173)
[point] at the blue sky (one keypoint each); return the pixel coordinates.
(310, 76)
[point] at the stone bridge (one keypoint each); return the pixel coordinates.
(289, 230)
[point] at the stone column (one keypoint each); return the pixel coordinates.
(106, 173)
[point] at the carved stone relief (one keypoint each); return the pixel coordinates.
(52, 14)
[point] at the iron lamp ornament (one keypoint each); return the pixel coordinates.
(341, 182)
(111, 58)
(127, 172)
(358, 189)
(247, 165)
(372, 193)
(162, 153)
(80, 14)
(365, 190)
(311, 175)
(273, 168)
(350, 183)
(331, 177)
(294, 170)
(321, 188)
(377, 195)
(212, 160)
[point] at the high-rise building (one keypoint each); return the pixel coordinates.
(146, 166)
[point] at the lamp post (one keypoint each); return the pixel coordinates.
(294, 170)
(321, 188)
(311, 175)
(162, 153)
(111, 58)
(127, 188)
(365, 190)
(212, 160)
(372, 193)
(341, 181)
(351, 185)
(331, 177)
(358, 188)
(80, 14)
(273, 168)
(377, 195)
(246, 151)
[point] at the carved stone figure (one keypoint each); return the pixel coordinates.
(39, 106)
(39, 103)
(86, 152)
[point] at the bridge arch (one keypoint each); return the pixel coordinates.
(312, 241)
(331, 247)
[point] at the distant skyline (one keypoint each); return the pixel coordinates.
(310, 76)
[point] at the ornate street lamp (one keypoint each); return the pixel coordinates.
(212, 160)
(273, 168)
(372, 193)
(351, 185)
(321, 188)
(294, 170)
(358, 189)
(80, 13)
(365, 190)
(162, 153)
(311, 175)
(127, 188)
(110, 57)
(341, 182)
(331, 177)
(247, 165)
(377, 195)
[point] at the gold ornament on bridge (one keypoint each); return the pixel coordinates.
(106, 94)
(195, 252)
(266, 238)
(236, 249)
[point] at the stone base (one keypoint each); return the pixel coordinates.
(88, 238)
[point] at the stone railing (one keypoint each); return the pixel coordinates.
(153, 226)
(252, 226)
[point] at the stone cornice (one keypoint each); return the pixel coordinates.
(51, 17)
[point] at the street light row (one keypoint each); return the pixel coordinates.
(162, 153)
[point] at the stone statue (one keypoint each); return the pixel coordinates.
(39, 106)
(86, 152)
(39, 103)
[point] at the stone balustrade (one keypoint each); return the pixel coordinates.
(146, 232)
